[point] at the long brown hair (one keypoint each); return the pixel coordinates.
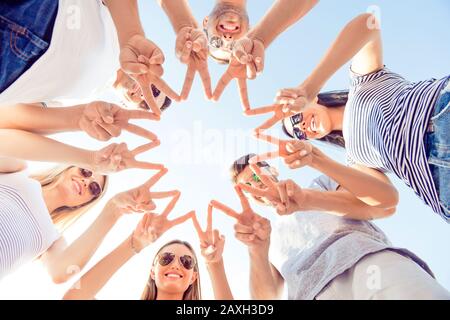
(64, 217)
(193, 292)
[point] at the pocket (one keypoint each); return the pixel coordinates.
(23, 43)
(20, 48)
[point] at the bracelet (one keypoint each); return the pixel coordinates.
(133, 248)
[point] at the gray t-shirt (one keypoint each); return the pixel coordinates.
(310, 249)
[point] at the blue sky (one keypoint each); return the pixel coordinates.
(200, 138)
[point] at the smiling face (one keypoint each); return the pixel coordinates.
(316, 122)
(248, 177)
(75, 188)
(173, 278)
(228, 23)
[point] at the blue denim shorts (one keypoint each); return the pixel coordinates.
(26, 27)
(438, 149)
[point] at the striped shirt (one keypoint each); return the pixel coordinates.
(26, 228)
(385, 121)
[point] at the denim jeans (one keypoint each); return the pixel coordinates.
(26, 28)
(438, 149)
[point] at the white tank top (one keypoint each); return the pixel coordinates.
(82, 58)
(26, 228)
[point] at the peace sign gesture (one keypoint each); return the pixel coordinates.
(211, 241)
(143, 60)
(279, 111)
(117, 157)
(295, 153)
(152, 226)
(251, 228)
(104, 120)
(238, 71)
(155, 225)
(285, 196)
(136, 200)
(192, 49)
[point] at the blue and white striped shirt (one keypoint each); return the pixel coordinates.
(385, 121)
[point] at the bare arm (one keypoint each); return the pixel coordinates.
(60, 259)
(370, 186)
(341, 203)
(281, 16)
(125, 14)
(266, 282)
(37, 119)
(95, 279)
(359, 39)
(179, 13)
(29, 146)
(219, 281)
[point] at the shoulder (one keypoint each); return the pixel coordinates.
(10, 165)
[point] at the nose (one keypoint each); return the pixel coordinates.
(228, 36)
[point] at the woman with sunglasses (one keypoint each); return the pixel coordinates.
(174, 272)
(386, 123)
(36, 209)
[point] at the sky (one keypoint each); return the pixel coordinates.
(200, 139)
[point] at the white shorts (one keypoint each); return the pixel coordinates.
(385, 275)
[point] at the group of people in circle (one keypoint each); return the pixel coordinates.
(322, 244)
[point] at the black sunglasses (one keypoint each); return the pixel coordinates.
(94, 187)
(166, 258)
(298, 133)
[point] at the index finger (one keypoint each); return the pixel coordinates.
(225, 209)
(181, 219)
(164, 87)
(268, 138)
(198, 227)
(221, 85)
(150, 182)
(188, 80)
(209, 218)
(142, 114)
(206, 79)
(132, 128)
(243, 93)
(263, 176)
(144, 148)
(148, 95)
(261, 110)
(171, 204)
(244, 201)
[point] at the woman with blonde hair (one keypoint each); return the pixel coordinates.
(32, 213)
(34, 210)
(174, 272)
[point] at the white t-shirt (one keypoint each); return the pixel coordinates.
(82, 58)
(26, 228)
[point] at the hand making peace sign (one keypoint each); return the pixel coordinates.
(295, 153)
(117, 157)
(143, 60)
(211, 241)
(192, 49)
(104, 120)
(251, 228)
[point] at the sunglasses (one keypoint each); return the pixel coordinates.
(94, 187)
(167, 258)
(298, 133)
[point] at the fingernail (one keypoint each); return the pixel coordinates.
(303, 153)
